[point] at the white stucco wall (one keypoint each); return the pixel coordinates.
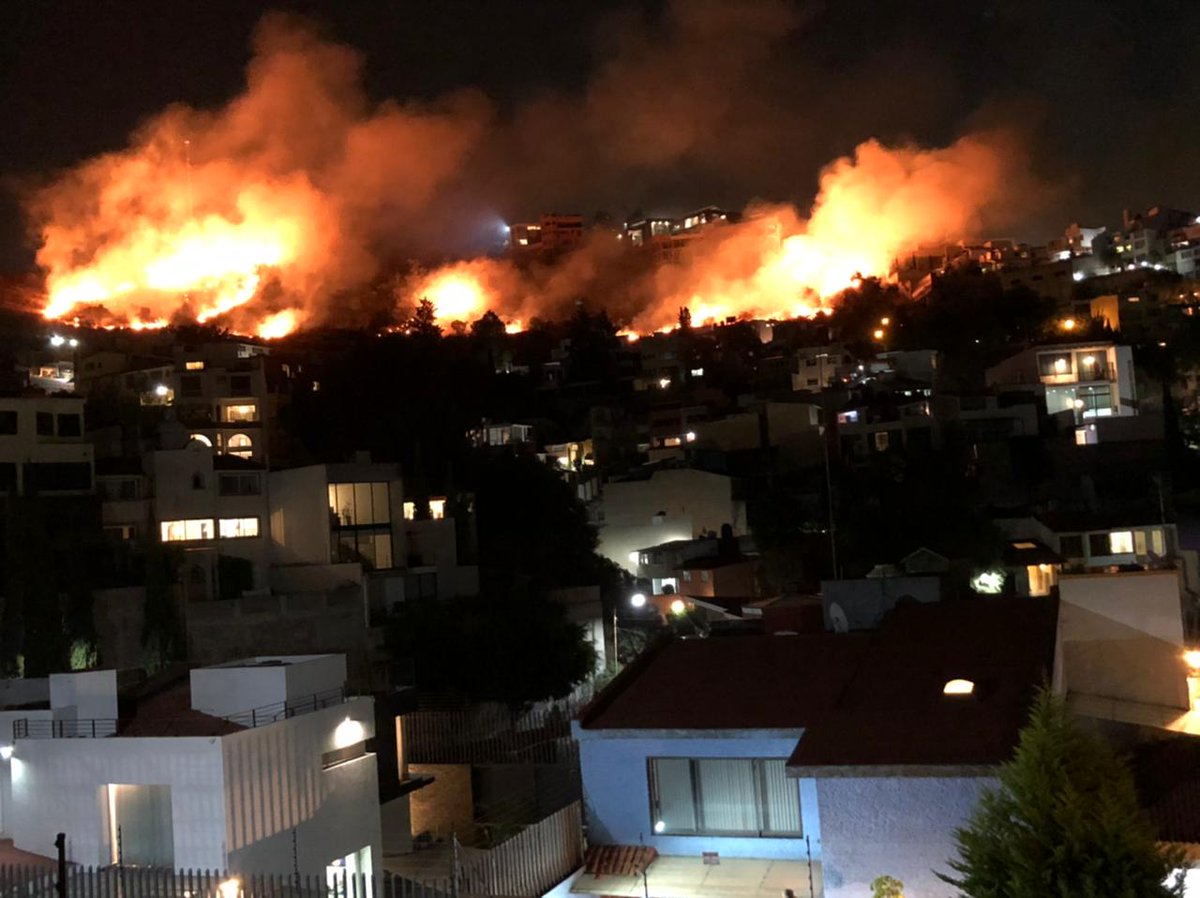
(274, 784)
(299, 501)
(616, 789)
(894, 826)
(58, 786)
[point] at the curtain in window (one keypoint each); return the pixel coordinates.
(781, 798)
(673, 791)
(727, 795)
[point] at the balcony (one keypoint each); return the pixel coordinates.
(1101, 372)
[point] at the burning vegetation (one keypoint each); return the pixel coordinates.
(262, 215)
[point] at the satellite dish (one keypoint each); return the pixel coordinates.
(837, 618)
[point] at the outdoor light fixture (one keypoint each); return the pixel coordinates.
(678, 608)
(958, 687)
(878, 333)
(1191, 657)
(349, 732)
(633, 557)
(160, 390)
(56, 340)
(885, 321)
(1068, 324)
(72, 342)
(691, 436)
(638, 600)
(659, 826)
(6, 752)
(230, 888)
(664, 382)
(988, 583)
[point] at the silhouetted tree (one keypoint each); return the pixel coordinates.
(1064, 821)
(424, 321)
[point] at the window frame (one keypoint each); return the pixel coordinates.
(761, 810)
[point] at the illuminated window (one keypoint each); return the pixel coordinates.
(237, 528)
(195, 366)
(182, 531)
(1158, 545)
(1024, 545)
(1120, 542)
(240, 445)
(359, 504)
(958, 687)
(410, 511)
(201, 438)
(437, 509)
(234, 414)
(725, 796)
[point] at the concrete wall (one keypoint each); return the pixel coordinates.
(691, 500)
(310, 622)
(275, 784)
(866, 600)
(616, 789)
(91, 694)
(894, 826)
(1121, 636)
(299, 516)
(58, 785)
(240, 686)
(447, 805)
(119, 615)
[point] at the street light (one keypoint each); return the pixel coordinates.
(638, 600)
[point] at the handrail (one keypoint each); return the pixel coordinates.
(104, 727)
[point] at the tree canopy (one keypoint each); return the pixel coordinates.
(1064, 821)
(515, 651)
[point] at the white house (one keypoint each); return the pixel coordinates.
(42, 448)
(753, 764)
(258, 765)
(665, 505)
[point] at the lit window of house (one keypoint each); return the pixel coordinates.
(195, 366)
(238, 528)
(410, 511)
(183, 531)
(240, 445)
(234, 414)
(1158, 544)
(725, 796)
(201, 438)
(359, 504)
(1120, 542)
(437, 509)
(958, 687)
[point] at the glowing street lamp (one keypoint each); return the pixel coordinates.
(638, 600)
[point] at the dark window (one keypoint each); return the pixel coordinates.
(1071, 546)
(197, 481)
(191, 386)
(8, 477)
(8, 423)
(45, 424)
(69, 426)
(239, 385)
(421, 586)
(1098, 544)
(239, 485)
(53, 476)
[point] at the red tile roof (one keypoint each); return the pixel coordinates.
(170, 713)
(865, 698)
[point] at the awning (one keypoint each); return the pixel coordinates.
(670, 876)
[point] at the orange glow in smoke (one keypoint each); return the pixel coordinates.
(456, 296)
(278, 325)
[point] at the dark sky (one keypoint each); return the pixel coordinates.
(1107, 93)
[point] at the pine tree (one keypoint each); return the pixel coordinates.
(1064, 822)
(424, 320)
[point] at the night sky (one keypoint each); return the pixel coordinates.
(1105, 93)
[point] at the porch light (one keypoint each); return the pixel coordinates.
(678, 608)
(230, 888)
(659, 826)
(1191, 657)
(958, 687)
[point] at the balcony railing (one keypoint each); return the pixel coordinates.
(104, 727)
(1090, 374)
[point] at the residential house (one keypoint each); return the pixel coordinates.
(659, 505)
(752, 764)
(255, 766)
